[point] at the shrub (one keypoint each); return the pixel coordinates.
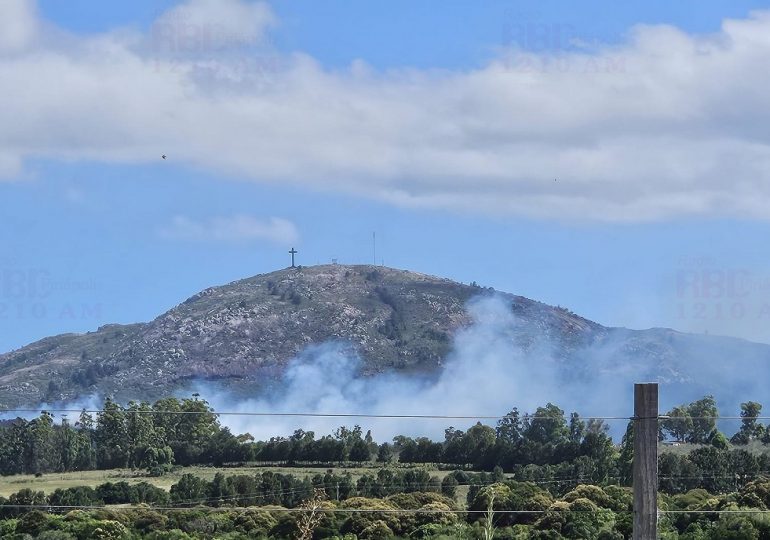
(33, 522)
(449, 486)
(376, 531)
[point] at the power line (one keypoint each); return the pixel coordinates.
(524, 417)
(359, 510)
(303, 510)
(724, 477)
(383, 487)
(190, 504)
(182, 503)
(685, 418)
(748, 511)
(185, 503)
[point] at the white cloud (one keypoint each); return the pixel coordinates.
(18, 25)
(667, 124)
(239, 228)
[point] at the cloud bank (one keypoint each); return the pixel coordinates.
(665, 124)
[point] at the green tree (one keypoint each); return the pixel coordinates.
(193, 429)
(329, 450)
(703, 413)
(143, 442)
(744, 466)
(750, 428)
(220, 490)
(598, 447)
(40, 452)
(449, 486)
(67, 443)
(12, 444)
(359, 451)
(546, 425)
(678, 424)
(25, 497)
(86, 445)
(189, 490)
(577, 428)
(509, 427)
(477, 444)
(301, 445)
(384, 453)
(112, 442)
(75, 496)
(32, 523)
(166, 419)
(734, 528)
(718, 440)
(626, 457)
(714, 465)
(348, 437)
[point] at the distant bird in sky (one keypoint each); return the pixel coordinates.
(163, 156)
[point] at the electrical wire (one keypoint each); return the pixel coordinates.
(302, 510)
(523, 417)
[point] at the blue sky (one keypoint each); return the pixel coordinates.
(97, 228)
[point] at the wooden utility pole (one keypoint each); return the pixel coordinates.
(645, 461)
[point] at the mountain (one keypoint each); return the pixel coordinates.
(242, 335)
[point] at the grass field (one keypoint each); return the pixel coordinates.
(50, 482)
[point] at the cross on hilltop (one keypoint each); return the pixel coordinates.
(293, 252)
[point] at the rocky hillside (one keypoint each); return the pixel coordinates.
(243, 335)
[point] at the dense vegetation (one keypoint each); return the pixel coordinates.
(382, 505)
(564, 478)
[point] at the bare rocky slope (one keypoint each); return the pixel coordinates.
(243, 334)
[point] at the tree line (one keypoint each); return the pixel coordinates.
(540, 445)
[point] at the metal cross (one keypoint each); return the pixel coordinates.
(293, 252)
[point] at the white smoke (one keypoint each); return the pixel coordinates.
(60, 409)
(486, 374)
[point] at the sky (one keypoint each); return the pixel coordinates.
(611, 159)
